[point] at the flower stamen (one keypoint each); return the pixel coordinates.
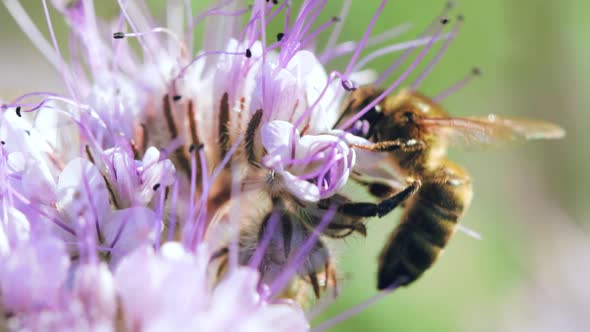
(475, 72)
(395, 84)
(438, 55)
(431, 27)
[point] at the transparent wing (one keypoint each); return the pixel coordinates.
(491, 129)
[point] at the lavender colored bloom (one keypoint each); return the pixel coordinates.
(189, 303)
(312, 167)
(124, 201)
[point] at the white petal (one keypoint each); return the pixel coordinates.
(95, 288)
(277, 138)
(75, 199)
(138, 279)
(152, 172)
(237, 293)
(305, 190)
(123, 174)
(276, 318)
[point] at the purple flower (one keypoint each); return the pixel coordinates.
(311, 167)
(31, 273)
(41, 290)
(189, 302)
(124, 201)
(134, 181)
(82, 197)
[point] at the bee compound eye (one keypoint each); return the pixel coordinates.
(409, 116)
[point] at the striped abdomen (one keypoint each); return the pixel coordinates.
(428, 223)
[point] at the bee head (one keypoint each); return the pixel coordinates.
(404, 112)
(357, 101)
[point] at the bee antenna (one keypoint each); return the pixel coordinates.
(475, 72)
(440, 53)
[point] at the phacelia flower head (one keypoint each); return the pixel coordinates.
(183, 187)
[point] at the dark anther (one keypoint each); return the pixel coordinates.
(444, 21)
(336, 19)
(248, 53)
(476, 71)
(18, 111)
(119, 35)
(276, 2)
(191, 148)
(280, 36)
(2, 142)
(176, 97)
(28, 132)
(156, 186)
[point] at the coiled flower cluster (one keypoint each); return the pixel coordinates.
(164, 189)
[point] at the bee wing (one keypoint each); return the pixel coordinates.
(492, 129)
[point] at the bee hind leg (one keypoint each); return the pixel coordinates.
(384, 207)
(410, 145)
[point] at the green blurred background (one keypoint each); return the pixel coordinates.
(530, 271)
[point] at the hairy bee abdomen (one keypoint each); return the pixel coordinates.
(429, 221)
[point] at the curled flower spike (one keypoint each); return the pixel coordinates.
(178, 186)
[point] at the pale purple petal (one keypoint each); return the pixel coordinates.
(319, 167)
(162, 289)
(13, 232)
(32, 276)
(122, 173)
(95, 289)
(75, 199)
(302, 189)
(154, 172)
(277, 139)
(128, 229)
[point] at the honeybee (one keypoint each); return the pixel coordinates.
(415, 132)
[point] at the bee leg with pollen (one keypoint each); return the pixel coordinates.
(410, 145)
(381, 209)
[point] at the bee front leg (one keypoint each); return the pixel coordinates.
(377, 188)
(410, 145)
(383, 208)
